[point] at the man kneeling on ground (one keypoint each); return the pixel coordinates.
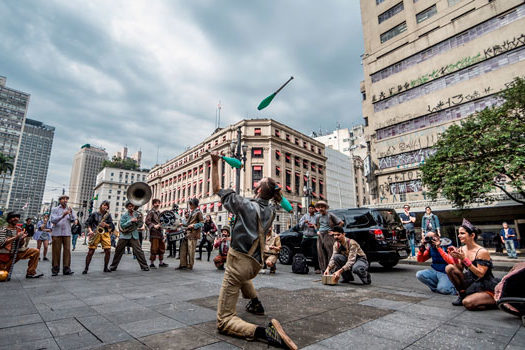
(347, 257)
(271, 250)
(435, 277)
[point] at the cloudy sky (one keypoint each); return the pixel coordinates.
(149, 74)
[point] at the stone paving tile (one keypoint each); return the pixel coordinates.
(24, 334)
(179, 339)
(49, 314)
(440, 339)
(47, 344)
(78, 340)
(219, 346)
(435, 312)
(186, 313)
(385, 304)
(103, 329)
(151, 326)
(404, 334)
(133, 314)
(210, 328)
(481, 331)
(20, 320)
(64, 326)
(357, 339)
(518, 340)
(487, 317)
(105, 299)
(125, 345)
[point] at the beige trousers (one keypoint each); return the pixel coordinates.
(240, 270)
(187, 252)
(325, 248)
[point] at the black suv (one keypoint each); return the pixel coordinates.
(379, 232)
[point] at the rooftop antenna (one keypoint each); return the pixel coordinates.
(157, 155)
(219, 107)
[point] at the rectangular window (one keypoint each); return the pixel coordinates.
(288, 157)
(257, 152)
(426, 14)
(379, 2)
(257, 131)
(277, 171)
(391, 12)
(277, 133)
(297, 182)
(288, 181)
(277, 155)
(287, 137)
(400, 28)
(453, 2)
(257, 174)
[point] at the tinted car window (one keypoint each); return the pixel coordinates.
(387, 217)
(358, 218)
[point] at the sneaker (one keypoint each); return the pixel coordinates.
(276, 336)
(46, 259)
(85, 272)
(255, 307)
(152, 266)
(112, 268)
(367, 279)
(144, 268)
(107, 270)
(458, 301)
(35, 275)
(163, 265)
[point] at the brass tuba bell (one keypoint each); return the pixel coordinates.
(139, 193)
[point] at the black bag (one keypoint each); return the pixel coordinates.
(299, 264)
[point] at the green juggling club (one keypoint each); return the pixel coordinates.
(269, 99)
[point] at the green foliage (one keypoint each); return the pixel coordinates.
(6, 164)
(484, 152)
(116, 162)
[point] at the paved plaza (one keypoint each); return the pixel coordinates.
(168, 309)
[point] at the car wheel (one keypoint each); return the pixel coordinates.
(389, 264)
(285, 255)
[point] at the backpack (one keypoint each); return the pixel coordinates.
(299, 264)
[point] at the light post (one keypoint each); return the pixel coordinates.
(307, 189)
(239, 152)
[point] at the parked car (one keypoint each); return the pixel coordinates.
(379, 232)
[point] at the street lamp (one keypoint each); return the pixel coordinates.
(307, 189)
(239, 152)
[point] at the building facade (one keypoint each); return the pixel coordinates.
(427, 65)
(340, 180)
(123, 154)
(351, 142)
(87, 163)
(274, 150)
(112, 185)
(13, 110)
(29, 182)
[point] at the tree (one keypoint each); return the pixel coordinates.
(6, 165)
(117, 162)
(485, 152)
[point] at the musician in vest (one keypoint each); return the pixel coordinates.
(8, 236)
(347, 257)
(272, 247)
(156, 237)
(193, 234)
(129, 234)
(99, 224)
(254, 217)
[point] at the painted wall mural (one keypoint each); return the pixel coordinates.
(406, 159)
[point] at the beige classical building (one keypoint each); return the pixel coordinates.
(429, 64)
(87, 163)
(274, 150)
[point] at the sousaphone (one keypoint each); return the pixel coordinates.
(138, 194)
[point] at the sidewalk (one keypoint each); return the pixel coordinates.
(169, 309)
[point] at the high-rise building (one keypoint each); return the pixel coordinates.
(87, 163)
(340, 180)
(112, 185)
(273, 150)
(351, 142)
(13, 109)
(27, 189)
(123, 154)
(429, 64)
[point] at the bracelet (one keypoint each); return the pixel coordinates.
(467, 262)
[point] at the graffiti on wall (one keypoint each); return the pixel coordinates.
(462, 63)
(459, 99)
(405, 159)
(416, 141)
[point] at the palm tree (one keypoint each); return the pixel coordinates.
(5, 164)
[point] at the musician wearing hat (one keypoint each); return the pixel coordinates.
(156, 236)
(62, 217)
(325, 222)
(189, 243)
(10, 235)
(129, 234)
(223, 244)
(99, 224)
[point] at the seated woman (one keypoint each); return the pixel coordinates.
(471, 272)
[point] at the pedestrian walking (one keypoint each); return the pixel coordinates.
(508, 238)
(61, 217)
(76, 230)
(208, 236)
